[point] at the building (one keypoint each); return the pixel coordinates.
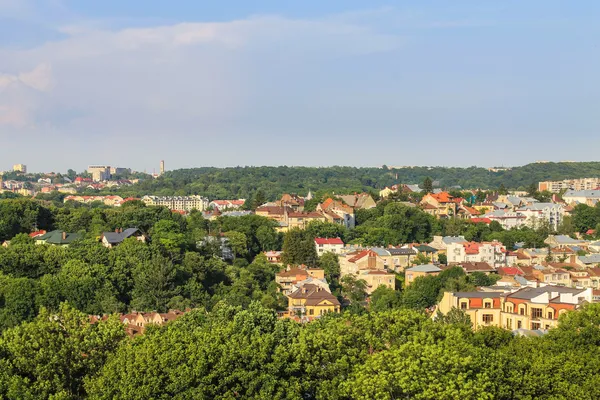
(354, 262)
(119, 171)
(526, 308)
(359, 201)
(333, 245)
(178, 203)
(570, 184)
(22, 168)
(58, 238)
(420, 270)
(377, 278)
(396, 258)
(99, 172)
(337, 212)
(493, 253)
(440, 205)
(589, 197)
(111, 239)
(223, 205)
(441, 243)
(162, 167)
(274, 257)
(291, 276)
(312, 301)
(540, 213)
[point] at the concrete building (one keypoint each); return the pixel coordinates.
(570, 184)
(589, 197)
(99, 172)
(333, 245)
(539, 213)
(178, 203)
(20, 168)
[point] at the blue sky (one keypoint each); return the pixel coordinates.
(200, 83)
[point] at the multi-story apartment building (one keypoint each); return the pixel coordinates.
(179, 203)
(589, 197)
(570, 184)
(333, 245)
(99, 172)
(526, 308)
(540, 213)
(493, 253)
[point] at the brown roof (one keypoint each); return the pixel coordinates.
(314, 295)
(477, 267)
(292, 272)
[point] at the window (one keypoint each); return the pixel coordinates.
(487, 304)
(508, 323)
(488, 318)
(536, 313)
(311, 312)
(519, 324)
(535, 325)
(464, 305)
(550, 314)
(522, 310)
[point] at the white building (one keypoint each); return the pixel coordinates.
(507, 219)
(333, 245)
(492, 253)
(589, 197)
(538, 213)
(179, 203)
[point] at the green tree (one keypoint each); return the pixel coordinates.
(383, 298)
(299, 248)
(427, 185)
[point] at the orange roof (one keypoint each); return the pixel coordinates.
(442, 197)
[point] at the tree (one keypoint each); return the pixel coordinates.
(454, 316)
(299, 248)
(421, 293)
(421, 259)
(237, 242)
(384, 298)
(354, 289)
(51, 356)
(154, 285)
(427, 185)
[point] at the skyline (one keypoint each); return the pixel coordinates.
(297, 84)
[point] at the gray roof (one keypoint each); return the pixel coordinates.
(425, 268)
(500, 204)
(235, 213)
(478, 294)
(380, 251)
(118, 237)
(521, 280)
(591, 259)
(414, 188)
(453, 239)
(564, 239)
(540, 206)
(402, 252)
(529, 292)
(593, 194)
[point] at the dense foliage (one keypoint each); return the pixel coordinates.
(271, 182)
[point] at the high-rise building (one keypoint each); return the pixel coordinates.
(162, 167)
(20, 168)
(99, 172)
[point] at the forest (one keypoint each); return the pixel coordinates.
(244, 182)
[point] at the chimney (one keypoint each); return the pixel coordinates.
(64, 235)
(372, 261)
(116, 230)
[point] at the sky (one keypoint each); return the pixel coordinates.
(316, 83)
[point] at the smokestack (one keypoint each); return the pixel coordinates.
(162, 167)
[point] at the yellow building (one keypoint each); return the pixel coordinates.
(20, 168)
(311, 301)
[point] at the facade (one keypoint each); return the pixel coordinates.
(376, 278)
(291, 276)
(333, 245)
(222, 205)
(312, 301)
(589, 197)
(493, 253)
(20, 168)
(178, 203)
(526, 308)
(570, 184)
(359, 201)
(99, 172)
(440, 205)
(396, 258)
(539, 213)
(420, 270)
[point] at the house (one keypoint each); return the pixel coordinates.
(483, 267)
(483, 308)
(359, 201)
(292, 201)
(594, 246)
(493, 253)
(36, 234)
(111, 239)
(333, 245)
(564, 241)
(301, 219)
(274, 257)
(185, 203)
(592, 260)
(552, 276)
(223, 205)
(506, 218)
(337, 212)
(312, 301)
(58, 238)
(443, 204)
(396, 258)
(376, 278)
(288, 278)
(352, 263)
(574, 197)
(440, 243)
(420, 270)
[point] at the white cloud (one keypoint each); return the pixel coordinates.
(178, 78)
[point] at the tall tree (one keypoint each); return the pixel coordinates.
(427, 185)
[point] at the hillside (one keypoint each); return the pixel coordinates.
(241, 182)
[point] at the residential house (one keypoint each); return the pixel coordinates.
(223, 205)
(301, 219)
(312, 301)
(589, 197)
(396, 258)
(483, 267)
(440, 243)
(337, 212)
(292, 201)
(274, 257)
(483, 308)
(376, 278)
(333, 245)
(443, 204)
(291, 276)
(111, 239)
(179, 203)
(552, 276)
(359, 201)
(420, 270)
(564, 241)
(493, 253)
(539, 213)
(506, 218)
(352, 263)
(589, 261)
(58, 238)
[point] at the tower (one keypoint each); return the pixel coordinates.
(162, 167)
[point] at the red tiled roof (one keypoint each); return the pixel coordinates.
(481, 220)
(510, 271)
(362, 254)
(442, 197)
(328, 241)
